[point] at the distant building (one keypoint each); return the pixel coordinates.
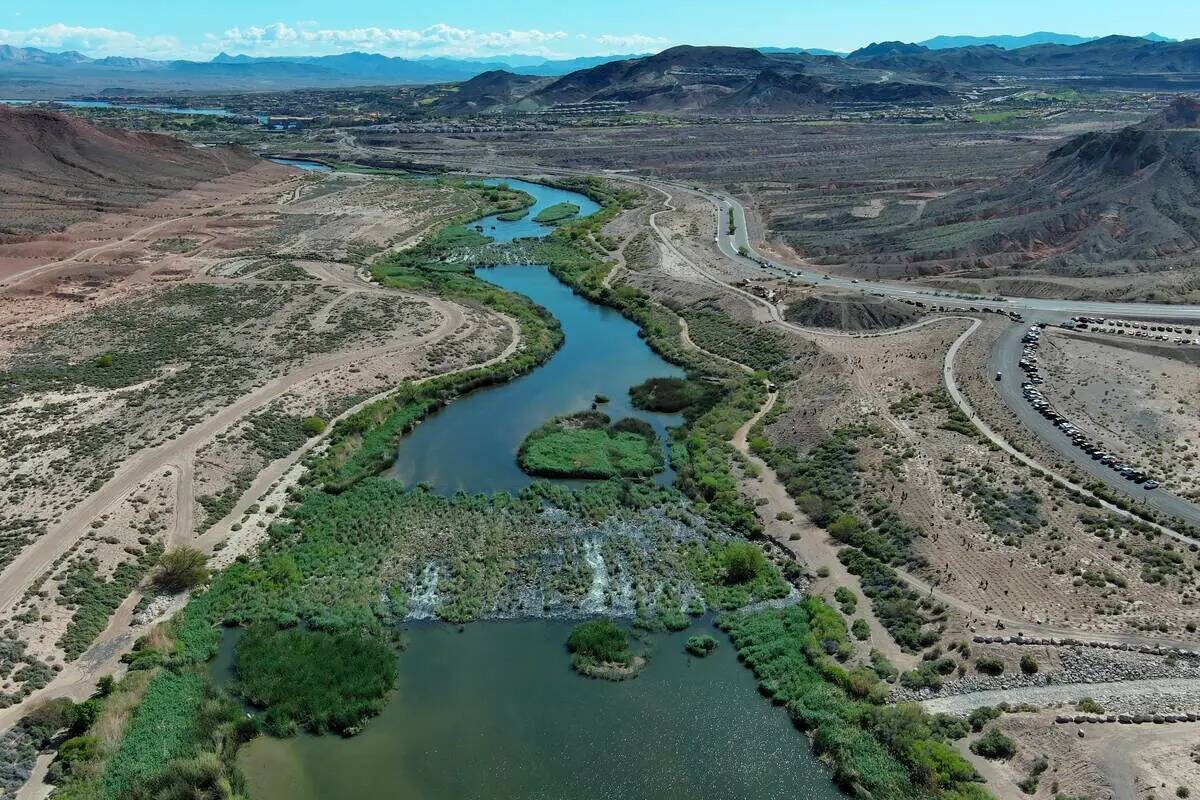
(289, 123)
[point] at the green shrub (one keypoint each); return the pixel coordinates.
(861, 630)
(672, 395)
(989, 665)
(1029, 664)
(1088, 705)
(742, 562)
(994, 745)
(313, 426)
(701, 645)
(180, 569)
(982, 716)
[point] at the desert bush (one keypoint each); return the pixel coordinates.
(180, 569)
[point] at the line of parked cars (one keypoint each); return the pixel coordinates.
(1178, 334)
(1033, 395)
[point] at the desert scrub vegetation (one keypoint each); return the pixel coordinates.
(94, 598)
(889, 751)
(589, 445)
(313, 679)
(747, 344)
(913, 620)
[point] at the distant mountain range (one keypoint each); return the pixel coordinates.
(718, 80)
(1016, 42)
(34, 73)
(28, 71)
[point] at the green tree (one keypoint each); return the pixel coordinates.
(180, 569)
(742, 562)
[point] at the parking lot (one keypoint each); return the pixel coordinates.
(1034, 397)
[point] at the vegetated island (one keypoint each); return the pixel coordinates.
(600, 649)
(513, 216)
(700, 645)
(557, 214)
(586, 445)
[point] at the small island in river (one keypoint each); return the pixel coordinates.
(600, 649)
(586, 445)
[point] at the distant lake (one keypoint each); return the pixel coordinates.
(199, 112)
(301, 163)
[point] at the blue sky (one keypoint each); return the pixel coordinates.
(553, 28)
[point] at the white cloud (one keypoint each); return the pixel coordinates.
(93, 41)
(307, 38)
(279, 37)
(632, 43)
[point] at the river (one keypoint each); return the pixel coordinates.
(493, 710)
(472, 444)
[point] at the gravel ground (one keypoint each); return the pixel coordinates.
(1118, 697)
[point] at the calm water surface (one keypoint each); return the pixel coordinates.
(495, 712)
(301, 163)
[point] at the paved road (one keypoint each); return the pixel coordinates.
(730, 245)
(1004, 359)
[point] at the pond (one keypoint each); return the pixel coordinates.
(496, 712)
(472, 444)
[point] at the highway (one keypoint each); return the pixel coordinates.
(730, 246)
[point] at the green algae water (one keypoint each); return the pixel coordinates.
(496, 712)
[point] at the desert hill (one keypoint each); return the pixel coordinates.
(1101, 203)
(489, 92)
(850, 313)
(733, 80)
(55, 169)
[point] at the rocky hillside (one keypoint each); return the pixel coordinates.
(1133, 194)
(728, 80)
(56, 169)
(1102, 203)
(850, 313)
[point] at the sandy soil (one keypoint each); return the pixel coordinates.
(1109, 762)
(1140, 401)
